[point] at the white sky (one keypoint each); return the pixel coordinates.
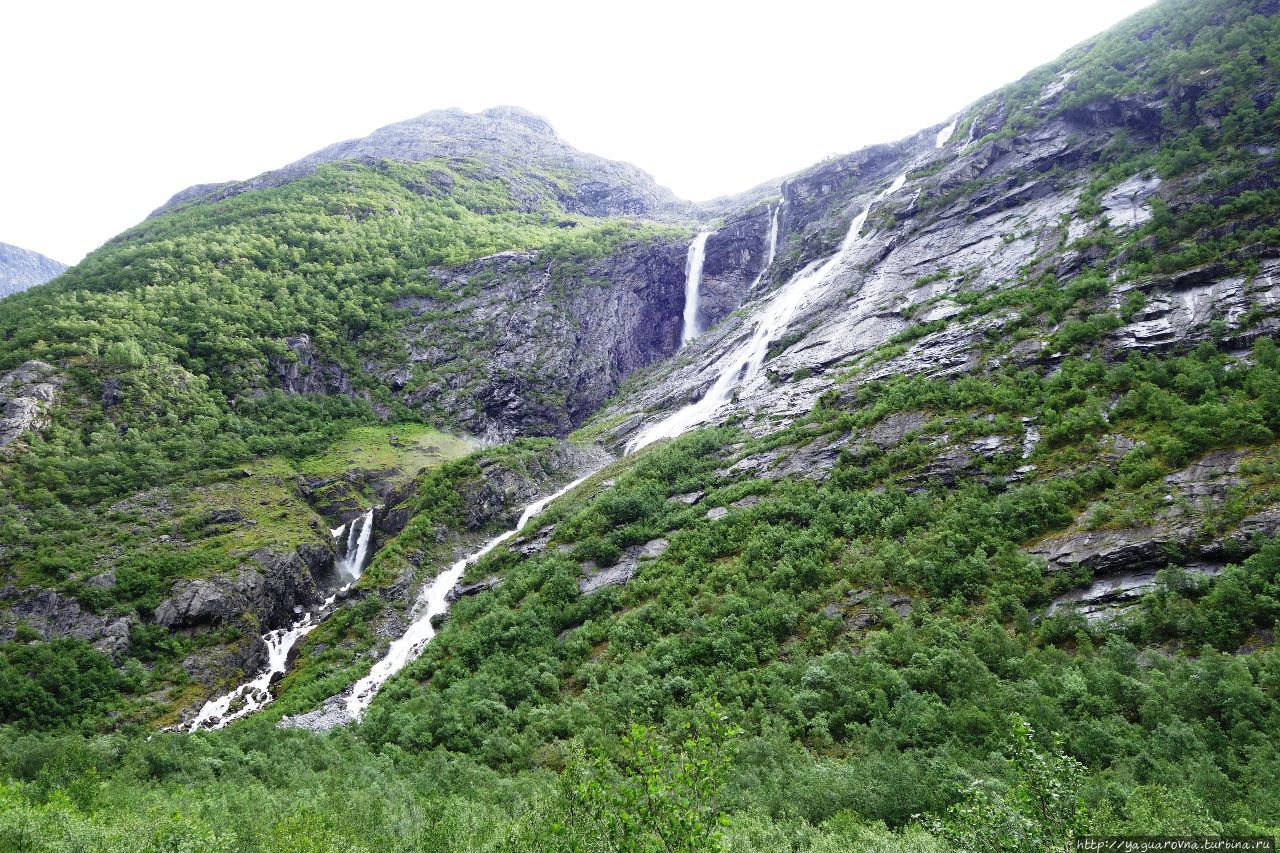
(109, 108)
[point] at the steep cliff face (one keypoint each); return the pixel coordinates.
(969, 223)
(550, 341)
(1052, 223)
(22, 268)
(736, 256)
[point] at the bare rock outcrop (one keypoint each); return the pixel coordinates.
(26, 394)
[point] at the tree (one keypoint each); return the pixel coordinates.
(1041, 811)
(657, 796)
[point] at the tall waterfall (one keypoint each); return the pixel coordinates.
(692, 281)
(945, 134)
(772, 249)
(256, 693)
(351, 563)
(739, 366)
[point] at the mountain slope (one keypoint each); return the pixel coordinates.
(521, 147)
(21, 269)
(986, 507)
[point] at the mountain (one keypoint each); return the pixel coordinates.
(953, 527)
(523, 149)
(20, 269)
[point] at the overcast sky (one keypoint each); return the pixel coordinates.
(110, 108)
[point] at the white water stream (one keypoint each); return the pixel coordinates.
(692, 282)
(256, 693)
(742, 364)
(945, 134)
(772, 249)
(432, 602)
(738, 366)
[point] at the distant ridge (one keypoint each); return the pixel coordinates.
(22, 268)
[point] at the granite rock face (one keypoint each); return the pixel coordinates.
(549, 346)
(971, 217)
(1188, 533)
(26, 394)
(22, 268)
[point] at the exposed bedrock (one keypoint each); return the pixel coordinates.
(1191, 532)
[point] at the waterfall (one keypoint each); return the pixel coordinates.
(772, 248)
(945, 134)
(352, 562)
(432, 602)
(692, 279)
(739, 366)
(256, 693)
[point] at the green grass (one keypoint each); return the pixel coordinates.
(406, 448)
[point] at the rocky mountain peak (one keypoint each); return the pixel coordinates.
(506, 137)
(533, 121)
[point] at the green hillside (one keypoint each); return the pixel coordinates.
(865, 627)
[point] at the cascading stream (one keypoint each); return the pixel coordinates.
(352, 562)
(432, 602)
(772, 249)
(741, 365)
(944, 135)
(692, 283)
(255, 694)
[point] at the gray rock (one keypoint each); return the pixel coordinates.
(26, 393)
(653, 549)
(459, 590)
(717, 513)
(330, 715)
(22, 268)
(55, 615)
(496, 137)
(1126, 206)
(612, 576)
(894, 428)
(105, 580)
(196, 603)
(735, 256)
(1124, 562)
(306, 372)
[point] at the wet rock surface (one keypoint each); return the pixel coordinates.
(555, 350)
(966, 220)
(735, 257)
(1124, 562)
(622, 571)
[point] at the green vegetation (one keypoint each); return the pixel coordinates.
(862, 660)
(407, 448)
